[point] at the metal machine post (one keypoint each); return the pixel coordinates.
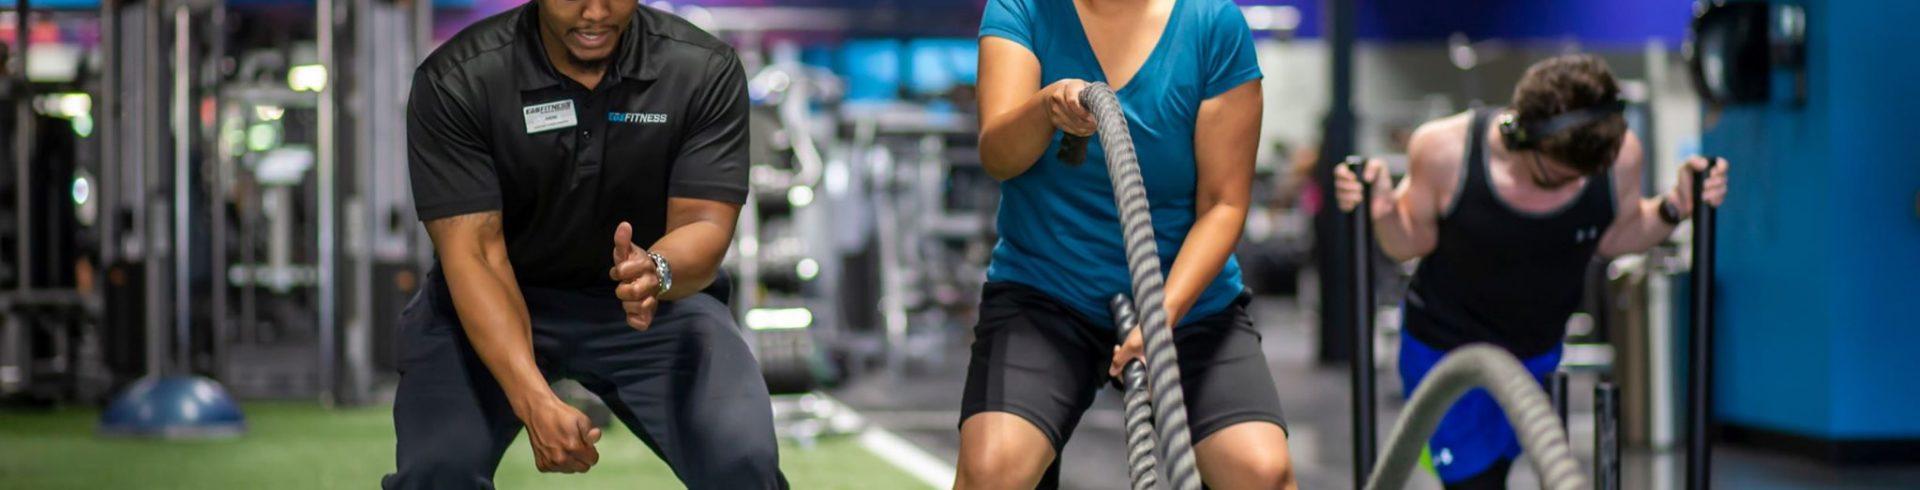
(1557, 391)
(1700, 362)
(1329, 228)
(23, 139)
(326, 185)
(1606, 436)
(1364, 421)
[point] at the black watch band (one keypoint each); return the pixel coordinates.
(1670, 212)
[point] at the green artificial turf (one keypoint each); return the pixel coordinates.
(291, 445)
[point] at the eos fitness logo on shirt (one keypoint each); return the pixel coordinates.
(637, 117)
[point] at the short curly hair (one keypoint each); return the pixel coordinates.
(1567, 83)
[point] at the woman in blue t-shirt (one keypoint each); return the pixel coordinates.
(1185, 72)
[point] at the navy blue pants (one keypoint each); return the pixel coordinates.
(688, 387)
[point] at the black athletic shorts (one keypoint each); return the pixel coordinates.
(1043, 361)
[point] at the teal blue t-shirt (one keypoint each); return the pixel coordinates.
(1059, 230)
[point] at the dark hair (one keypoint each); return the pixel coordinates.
(1564, 84)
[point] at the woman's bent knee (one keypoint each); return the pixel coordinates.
(1000, 450)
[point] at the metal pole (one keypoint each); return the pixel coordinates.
(249, 262)
(148, 210)
(364, 211)
(1700, 362)
(1364, 420)
(104, 113)
(23, 150)
(182, 207)
(423, 30)
(1557, 390)
(1337, 141)
(217, 185)
(324, 153)
(1606, 436)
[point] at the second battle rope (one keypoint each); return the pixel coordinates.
(1519, 395)
(1141, 464)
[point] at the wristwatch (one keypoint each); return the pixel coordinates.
(666, 272)
(1670, 212)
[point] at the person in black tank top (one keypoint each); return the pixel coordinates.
(1500, 274)
(1505, 208)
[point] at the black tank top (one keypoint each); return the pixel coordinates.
(1502, 275)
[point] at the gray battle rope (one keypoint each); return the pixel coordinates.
(1143, 261)
(1139, 412)
(1519, 395)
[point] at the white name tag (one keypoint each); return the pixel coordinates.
(551, 115)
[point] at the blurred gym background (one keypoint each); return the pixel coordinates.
(199, 188)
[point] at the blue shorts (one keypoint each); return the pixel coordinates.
(1474, 434)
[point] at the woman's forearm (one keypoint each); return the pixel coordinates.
(1209, 243)
(1011, 141)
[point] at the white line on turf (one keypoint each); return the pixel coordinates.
(899, 452)
(927, 468)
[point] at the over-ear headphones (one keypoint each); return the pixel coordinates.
(1525, 136)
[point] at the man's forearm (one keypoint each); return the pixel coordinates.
(1639, 232)
(1399, 236)
(494, 316)
(695, 252)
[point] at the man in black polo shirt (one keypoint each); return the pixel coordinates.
(535, 136)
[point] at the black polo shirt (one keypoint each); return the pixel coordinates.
(492, 125)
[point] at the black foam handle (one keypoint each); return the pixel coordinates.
(1124, 321)
(1358, 165)
(1073, 149)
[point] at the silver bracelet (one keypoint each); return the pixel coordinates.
(666, 272)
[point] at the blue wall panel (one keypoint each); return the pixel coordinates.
(1820, 239)
(1775, 278)
(1876, 148)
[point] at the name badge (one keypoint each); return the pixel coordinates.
(551, 115)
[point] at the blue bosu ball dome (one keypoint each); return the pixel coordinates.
(173, 407)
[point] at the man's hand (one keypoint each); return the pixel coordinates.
(1347, 188)
(1713, 192)
(639, 280)
(562, 437)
